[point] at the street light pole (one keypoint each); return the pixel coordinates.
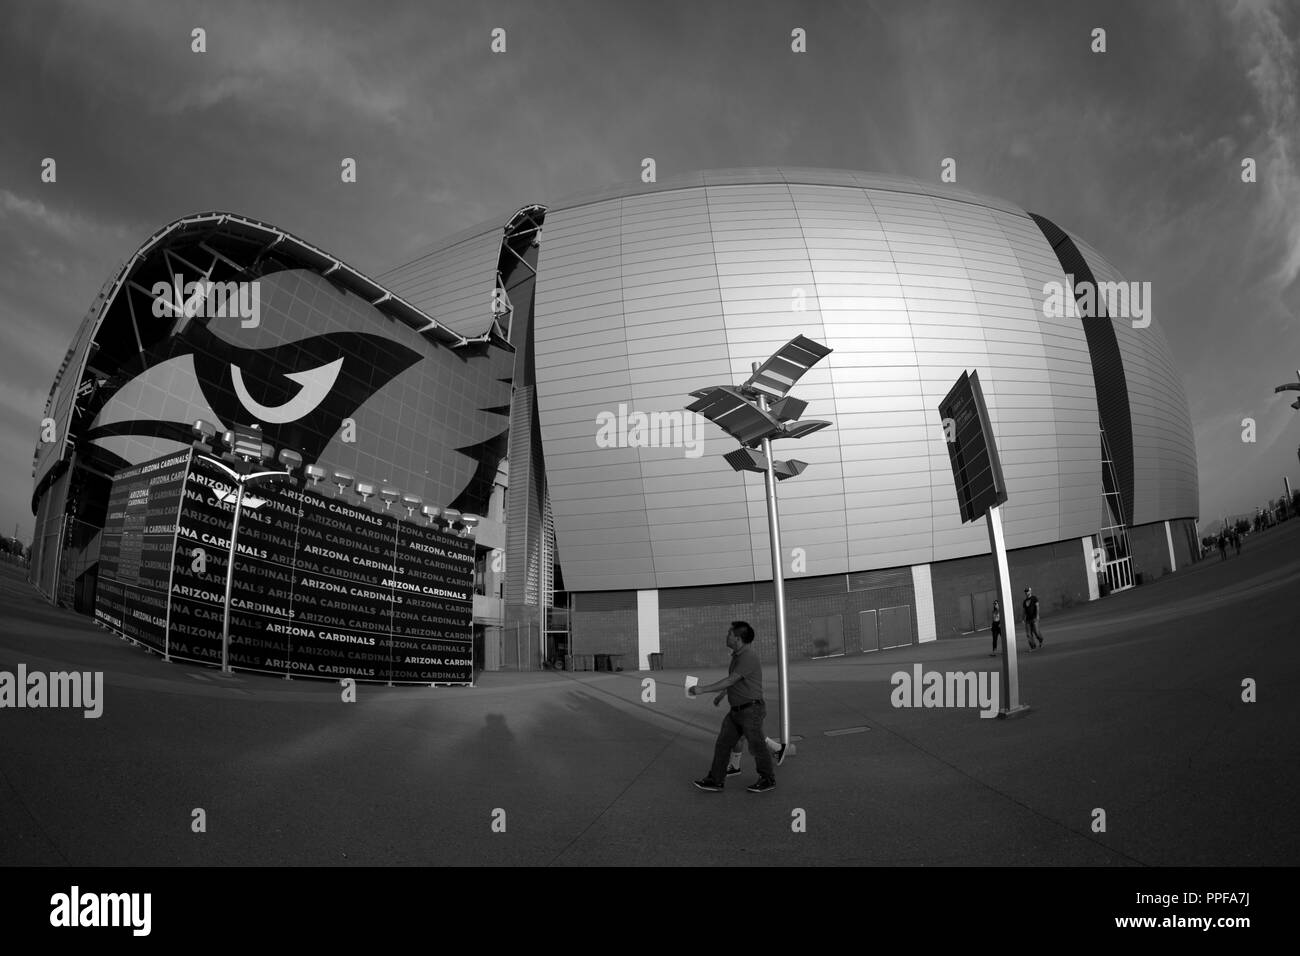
(240, 482)
(230, 578)
(748, 414)
(778, 579)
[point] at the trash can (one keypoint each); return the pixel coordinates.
(656, 662)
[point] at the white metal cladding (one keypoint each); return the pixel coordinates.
(1165, 483)
(642, 299)
(455, 282)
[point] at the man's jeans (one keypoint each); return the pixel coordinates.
(747, 723)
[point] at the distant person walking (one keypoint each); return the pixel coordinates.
(997, 627)
(744, 687)
(1223, 547)
(1236, 541)
(1030, 606)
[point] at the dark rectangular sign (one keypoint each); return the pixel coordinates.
(972, 449)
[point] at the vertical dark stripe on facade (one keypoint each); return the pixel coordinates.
(525, 493)
(1107, 364)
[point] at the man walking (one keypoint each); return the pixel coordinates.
(744, 687)
(1031, 619)
(997, 627)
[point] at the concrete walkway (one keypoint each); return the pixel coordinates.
(1136, 710)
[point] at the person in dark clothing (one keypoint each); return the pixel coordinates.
(1236, 541)
(744, 687)
(1030, 606)
(997, 627)
(1223, 548)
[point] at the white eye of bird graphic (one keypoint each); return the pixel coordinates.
(315, 386)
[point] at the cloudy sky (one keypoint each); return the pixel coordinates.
(1137, 150)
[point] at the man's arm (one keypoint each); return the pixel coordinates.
(716, 685)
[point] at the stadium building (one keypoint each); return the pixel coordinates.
(535, 371)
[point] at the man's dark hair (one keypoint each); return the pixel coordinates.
(743, 631)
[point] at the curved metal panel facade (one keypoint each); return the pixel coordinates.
(643, 298)
(454, 282)
(1165, 481)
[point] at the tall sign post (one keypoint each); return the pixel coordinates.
(981, 492)
(1290, 387)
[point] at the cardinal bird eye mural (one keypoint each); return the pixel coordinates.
(299, 392)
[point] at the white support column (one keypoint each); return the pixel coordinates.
(924, 594)
(647, 627)
(1169, 540)
(1010, 690)
(1090, 562)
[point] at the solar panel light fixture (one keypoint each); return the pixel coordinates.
(431, 513)
(787, 409)
(800, 429)
(366, 490)
(315, 474)
(750, 459)
(726, 407)
(470, 522)
(343, 480)
(388, 496)
(775, 377)
(411, 503)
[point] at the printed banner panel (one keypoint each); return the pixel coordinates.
(321, 587)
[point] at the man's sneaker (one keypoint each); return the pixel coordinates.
(761, 786)
(706, 784)
(732, 771)
(780, 754)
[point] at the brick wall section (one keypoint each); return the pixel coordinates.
(696, 636)
(1187, 547)
(693, 637)
(1150, 550)
(693, 626)
(605, 632)
(693, 622)
(1057, 573)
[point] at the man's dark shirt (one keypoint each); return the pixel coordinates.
(1031, 608)
(745, 662)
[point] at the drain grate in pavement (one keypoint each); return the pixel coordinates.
(846, 730)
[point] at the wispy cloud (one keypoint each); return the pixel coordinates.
(1273, 69)
(62, 224)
